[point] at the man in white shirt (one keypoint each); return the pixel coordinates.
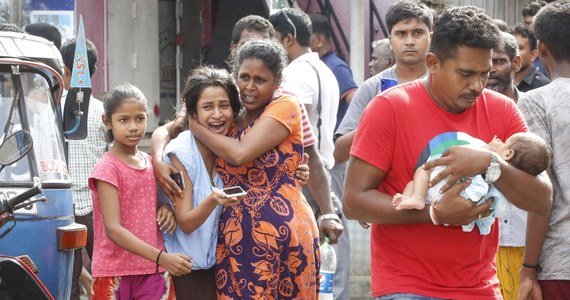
(512, 226)
(315, 85)
(300, 77)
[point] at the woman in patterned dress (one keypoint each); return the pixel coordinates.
(267, 244)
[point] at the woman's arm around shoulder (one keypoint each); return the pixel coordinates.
(268, 132)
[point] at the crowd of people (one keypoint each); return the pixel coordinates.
(487, 220)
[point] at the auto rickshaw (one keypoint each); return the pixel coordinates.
(44, 229)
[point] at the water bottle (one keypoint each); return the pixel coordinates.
(328, 267)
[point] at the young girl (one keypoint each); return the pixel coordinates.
(210, 95)
(128, 247)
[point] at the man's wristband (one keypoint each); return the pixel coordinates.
(536, 267)
(432, 215)
(329, 217)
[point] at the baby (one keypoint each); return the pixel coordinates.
(525, 151)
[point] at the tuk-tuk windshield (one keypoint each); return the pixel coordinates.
(35, 111)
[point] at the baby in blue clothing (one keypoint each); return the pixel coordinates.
(525, 151)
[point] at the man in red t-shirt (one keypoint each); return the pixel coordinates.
(411, 253)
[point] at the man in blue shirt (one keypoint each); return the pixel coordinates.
(321, 43)
(409, 24)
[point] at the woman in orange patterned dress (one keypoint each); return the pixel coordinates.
(267, 244)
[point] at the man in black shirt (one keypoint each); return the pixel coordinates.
(528, 77)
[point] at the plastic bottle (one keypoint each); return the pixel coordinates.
(328, 267)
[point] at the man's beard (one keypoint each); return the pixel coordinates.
(504, 83)
(500, 87)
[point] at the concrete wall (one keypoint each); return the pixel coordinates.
(133, 49)
(509, 11)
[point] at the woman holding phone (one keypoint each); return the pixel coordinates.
(211, 98)
(268, 242)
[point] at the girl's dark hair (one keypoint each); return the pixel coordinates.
(204, 77)
(116, 96)
(269, 51)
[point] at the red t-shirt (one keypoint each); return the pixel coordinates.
(394, 134)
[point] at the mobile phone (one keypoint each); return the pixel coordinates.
(178, 178)
(234, 191)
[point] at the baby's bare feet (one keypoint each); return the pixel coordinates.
(397, 199)
(409, 203)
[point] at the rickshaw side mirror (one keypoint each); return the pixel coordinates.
(75, 112)
(16, 146)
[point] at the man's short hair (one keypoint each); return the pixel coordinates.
(525, 32)
(531, 9)
(321, 25)
(299, 19)
(385, 48)
(252, 23)
(408, 10)
(68, 53)
(551, 27)
(47, 31)
(467, 26)
(377, 43)
(509, 46)
(503, 26)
